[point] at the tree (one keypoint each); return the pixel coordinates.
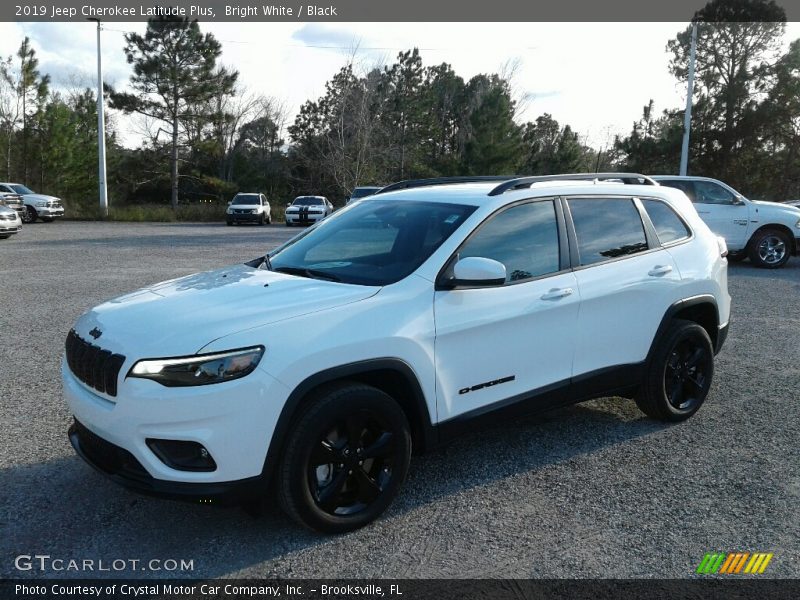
(175, 76)
(550, 149)
(738, 41)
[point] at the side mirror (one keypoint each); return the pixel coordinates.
(476, 271)
(737, 200)
(230, 202)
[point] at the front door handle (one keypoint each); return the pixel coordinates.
(659, 270)
(557, 293)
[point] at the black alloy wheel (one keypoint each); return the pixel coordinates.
(345, 459)
(679, 373)
(686, 377)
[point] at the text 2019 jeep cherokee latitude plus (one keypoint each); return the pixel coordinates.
(390, 326)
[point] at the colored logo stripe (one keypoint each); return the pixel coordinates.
(733, 563)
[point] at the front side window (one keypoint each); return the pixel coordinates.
(524, 238)
(374, 243)
(708, 192)
(21, 189)
(606, 228)
(668, 225)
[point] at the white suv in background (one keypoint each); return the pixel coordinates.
(248, 208)
(391, 326)
(766, 232)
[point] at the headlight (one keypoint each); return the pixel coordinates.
(797, 224)
(229, 210)
(200, 369)
(41, 203)
(254, 211)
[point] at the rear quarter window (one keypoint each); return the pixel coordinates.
(606, 228)
(668, 225)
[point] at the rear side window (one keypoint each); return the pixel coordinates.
(524, 238)
(606, 228)
(667, 223)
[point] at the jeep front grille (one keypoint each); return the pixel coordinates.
(94, 366)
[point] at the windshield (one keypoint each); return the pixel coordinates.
(374, 243)
(307, 201)
(245, 199)
(21, 189)
(360, 192)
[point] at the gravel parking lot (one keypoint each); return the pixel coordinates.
(596, 490)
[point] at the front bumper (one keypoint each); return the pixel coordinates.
(303, 218)
(245, 218)
(234, 421)
(7, 227)
(49, 212)
(121, 467)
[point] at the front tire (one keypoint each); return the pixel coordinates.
(679, 373)
(30, 215)
(770, 248)
(345, 459)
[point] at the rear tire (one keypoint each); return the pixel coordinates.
(679, 373)
(229, 223)
(770, 248)
(345, 459)
(736, 257)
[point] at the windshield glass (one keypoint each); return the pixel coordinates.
(374, 243)
(307, 201)
(245, 199)
(360, 192)
(21, 189)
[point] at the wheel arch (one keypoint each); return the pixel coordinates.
(780, 227)
(390, 375)
(701, 309)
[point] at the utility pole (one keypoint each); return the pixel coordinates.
(101, 130)
(687, 118)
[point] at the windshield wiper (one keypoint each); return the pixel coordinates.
(310, 273)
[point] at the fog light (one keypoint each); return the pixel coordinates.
(182, 455)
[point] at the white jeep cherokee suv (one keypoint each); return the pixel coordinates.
(766, 232)
(394, 325)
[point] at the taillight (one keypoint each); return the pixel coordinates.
(723, 247)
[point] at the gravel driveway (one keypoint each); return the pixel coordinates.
(596, 490)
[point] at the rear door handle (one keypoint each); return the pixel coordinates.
(659, 270)
(557, 293)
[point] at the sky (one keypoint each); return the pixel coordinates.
(596, 77)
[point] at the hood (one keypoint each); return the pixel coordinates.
(180, 316)
(776, 206)
(34, 197)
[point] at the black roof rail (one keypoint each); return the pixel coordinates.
(415, 183)
(523, 182)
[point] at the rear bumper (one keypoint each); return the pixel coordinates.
(121, 467)
(722, 335)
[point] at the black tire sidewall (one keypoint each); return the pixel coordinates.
(295, 493)
(31, 215)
